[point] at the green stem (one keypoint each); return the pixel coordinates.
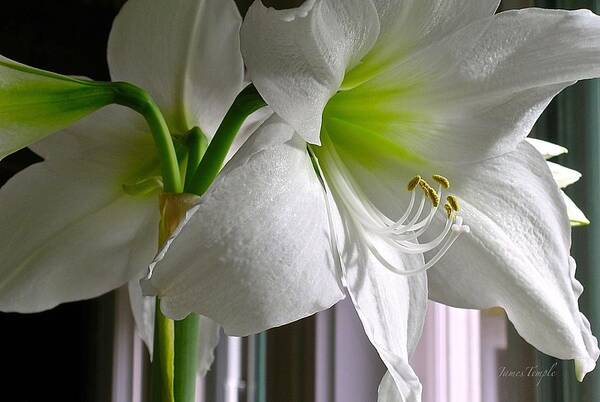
(176, 343)
(246, 103)
(187, 343)
(197, 147)
(137, 99)
(187, 331)
(163, 363)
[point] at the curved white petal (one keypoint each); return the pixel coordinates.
(391, 307)
(297, 61)
(255, 252)
(547, 149)
(143, 308)
(408, 25)
(114, 136)
(576, 215)
(209, 335)
(389, 392)
(563, 176)
(517, 254)
(477, 93)
(186, 53)
(70, 233)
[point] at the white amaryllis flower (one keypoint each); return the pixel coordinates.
(370, 94)
(85, 221)
(563, 177)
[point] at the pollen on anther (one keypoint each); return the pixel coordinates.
(433, 196)
(430, 192)
(448, 209)
(441, 180)
(413, 183)
(453, 202)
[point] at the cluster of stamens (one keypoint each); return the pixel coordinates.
(407, 232)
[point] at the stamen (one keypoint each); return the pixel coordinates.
(433, 195)
(453, 202)
(413, 183)
(406, 234)
(441, 180)
(448, 209)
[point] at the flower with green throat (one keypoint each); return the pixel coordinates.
(374, 98)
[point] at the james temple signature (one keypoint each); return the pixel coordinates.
(530, 371)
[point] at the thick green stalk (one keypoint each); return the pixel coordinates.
(163, 363)
(187, 343)
(246, 103)
(137, 99)
(187, 331)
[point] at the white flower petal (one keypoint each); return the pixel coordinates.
(547, 149)
(114, 136)
(576, 215)
(255, 253)
(517, 254)
(297, 62)
(391, 307)
(408, 25)
(209, 335)
(563, 176)
(389, 392)
(186, 53)
(477, 93)
(143, 308)
(70, 233)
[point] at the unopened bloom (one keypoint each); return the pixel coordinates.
(85, 221)
(372, 96)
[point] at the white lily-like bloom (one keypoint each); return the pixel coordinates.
(563, 176)
(85, 221)
(370, 94)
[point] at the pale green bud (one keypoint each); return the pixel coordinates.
(35, 103)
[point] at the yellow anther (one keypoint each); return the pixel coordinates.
(430, 192)
(453, 202)
(441, 180)
(413, 183)
(433, 196)
(448, 209)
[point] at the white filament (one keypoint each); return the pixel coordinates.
(404, 233)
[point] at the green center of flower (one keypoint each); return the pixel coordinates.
(373, 127)
(375, 122)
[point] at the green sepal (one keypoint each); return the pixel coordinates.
(35, 103)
